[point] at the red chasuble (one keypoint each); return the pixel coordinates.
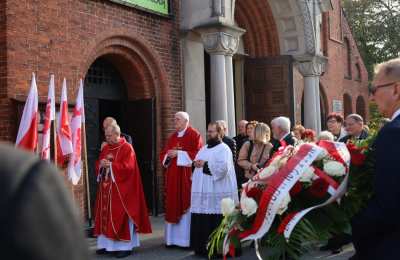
(178, 182)
(120, 194)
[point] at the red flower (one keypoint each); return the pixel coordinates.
(255, 193)
(356, 153)
(284, 222)
(319, 188)
(296, 189)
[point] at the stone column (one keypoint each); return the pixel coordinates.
(311, 70)
(230, 91)
(221, 46)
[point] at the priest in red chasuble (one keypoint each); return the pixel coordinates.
(121, 211)
(176, 158)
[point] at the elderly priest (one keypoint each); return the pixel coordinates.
(121, 211)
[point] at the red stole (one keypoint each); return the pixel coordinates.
(178, 183)
(119, 201)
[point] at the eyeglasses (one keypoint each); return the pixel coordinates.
(373, 89)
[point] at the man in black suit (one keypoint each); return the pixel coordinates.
(227, 140)
(242, 137)
(376, 229)
(281, 133)
(355, 128)
(38, 219)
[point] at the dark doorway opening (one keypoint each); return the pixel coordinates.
(106, 95)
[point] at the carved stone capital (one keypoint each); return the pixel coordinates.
(312, 66)
(220, 43)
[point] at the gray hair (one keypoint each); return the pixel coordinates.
(326, 135)
(356, 117)
(390, 68)
(222, 123)
(182, 114)
(282, 122)
(115, 129)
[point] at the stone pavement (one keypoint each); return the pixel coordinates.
(152, 248)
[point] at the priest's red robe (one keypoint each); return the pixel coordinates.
(120, 194)
(178, 178)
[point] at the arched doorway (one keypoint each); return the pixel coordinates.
(360, 107)
(347, 104)
(106, 94)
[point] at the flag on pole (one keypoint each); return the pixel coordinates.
(78, 117)
(64, 138)
(49, 117)
(27, 133)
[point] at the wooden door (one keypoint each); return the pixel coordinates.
(269, 88)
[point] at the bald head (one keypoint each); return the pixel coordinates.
(108, 121)
(242, 127)
(112, 134)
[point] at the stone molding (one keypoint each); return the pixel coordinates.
(221, 43)
(313, 66)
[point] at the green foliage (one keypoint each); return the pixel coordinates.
(375, 118)
(375, 26)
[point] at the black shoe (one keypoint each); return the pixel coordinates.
(170, 246)
(101, 251)
(122, 254)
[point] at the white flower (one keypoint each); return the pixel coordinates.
(284, 205)
(334, 168)
(267, 172)
(248, 206)
(227, 206)
(307, 175)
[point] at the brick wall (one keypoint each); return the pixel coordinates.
(333, 82)
(65, 37)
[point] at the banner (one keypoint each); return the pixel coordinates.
(157, 6)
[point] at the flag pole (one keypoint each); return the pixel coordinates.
(55, 140)
(87, 175)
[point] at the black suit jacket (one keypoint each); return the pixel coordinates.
(232, 145)
(376, 229)
(363, 135)
(289, 139)
(38, 220)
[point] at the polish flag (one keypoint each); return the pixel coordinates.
(28, 128)
(64, 137)
(49, 117)
(78, 118)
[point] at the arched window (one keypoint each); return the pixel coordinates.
(347, 105)
(358, 72)
(347, 59)
(360, 106)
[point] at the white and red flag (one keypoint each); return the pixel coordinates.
(28, 128)
(49, 117)
(64, 136)
(78, 118)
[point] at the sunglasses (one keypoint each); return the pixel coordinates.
(373, 89)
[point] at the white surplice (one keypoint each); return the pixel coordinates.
(110, 245)
(209, 190)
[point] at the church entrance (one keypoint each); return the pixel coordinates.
(106, 95)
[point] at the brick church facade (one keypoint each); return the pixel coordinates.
(136, 67)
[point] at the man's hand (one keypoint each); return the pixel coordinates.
(199, 163)
(104, 163)
(254, 167)
(172, 153)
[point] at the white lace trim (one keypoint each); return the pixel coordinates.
(210, 203)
